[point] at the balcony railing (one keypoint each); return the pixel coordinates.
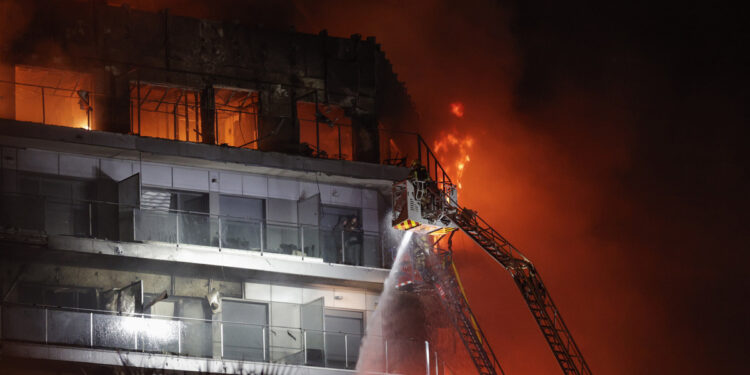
(194, 337)
(176, 116)
(106, 220)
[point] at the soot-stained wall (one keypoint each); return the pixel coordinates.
(118, 45)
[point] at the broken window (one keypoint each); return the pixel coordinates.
(327, 131)
(165, 112)
(53, 96)
(236, 117)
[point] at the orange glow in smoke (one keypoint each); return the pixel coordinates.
(457, 108)
(453, 148)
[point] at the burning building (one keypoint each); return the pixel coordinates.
(194, 195)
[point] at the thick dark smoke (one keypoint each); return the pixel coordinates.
(610, 146)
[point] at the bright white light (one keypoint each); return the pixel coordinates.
(156, 329)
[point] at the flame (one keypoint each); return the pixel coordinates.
(452, 149)
(457, 108)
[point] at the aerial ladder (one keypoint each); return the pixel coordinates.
(425, 205)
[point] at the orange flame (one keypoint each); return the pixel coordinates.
(453, 150)
(457, 108)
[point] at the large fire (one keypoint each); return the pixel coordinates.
(453, 148)
(457, 109)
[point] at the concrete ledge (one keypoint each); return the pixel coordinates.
(212, 256)
(63, 139)
(157, 361)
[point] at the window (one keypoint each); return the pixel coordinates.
(62, 296)
(341, 235)
(343, 337)
(52, 96)
(174, 200)
(241, 207)
(246, 336)
(175, 216)
(241, 222)
(165, 112)
(327, 132)
(54, 204)
(236, 117)
(197, 331)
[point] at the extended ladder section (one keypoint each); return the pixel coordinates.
(455, 302)
(529, 283)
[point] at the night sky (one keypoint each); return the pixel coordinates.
(608, 142)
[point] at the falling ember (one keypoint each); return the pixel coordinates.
(457, 108)
(454, 149)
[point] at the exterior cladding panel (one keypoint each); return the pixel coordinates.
(79, 166)
(156, 175)
(230, 183)
(190, 179)
(194, 179)
(116, 169)
(255, 185)
(283, 188)
(38, 161)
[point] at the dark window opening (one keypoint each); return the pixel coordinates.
(51, 96)
(173, 200)
(327, 132)
(236, 117)
(343, 337)
(341, 235)
(165, 112)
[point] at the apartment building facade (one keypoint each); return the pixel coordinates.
(194, 195)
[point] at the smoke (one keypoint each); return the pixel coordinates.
(608, 146)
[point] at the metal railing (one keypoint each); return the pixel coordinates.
(74, 108)
(107, 220)
(52, 105)
(147, 333)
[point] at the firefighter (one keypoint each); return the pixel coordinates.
(352, 240)
(419, 172)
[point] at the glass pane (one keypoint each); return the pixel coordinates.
(311, 242)
(244, 342)
(158, 335)
(115, 332)
(196, 338)
(197, 334)
(241, 207)
(155, 226)
(353, 343)
(23, 323)
(68, 327)
(352, 247)
(331, 245)
(245, 334)
(335, 350)
(196, 229)
(371, 250)
(59, 218)
(282, 240)
(286, 345)
(311, 317)
(21, 211)
(238, 234)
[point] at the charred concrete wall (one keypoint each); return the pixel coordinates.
(118, 45)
